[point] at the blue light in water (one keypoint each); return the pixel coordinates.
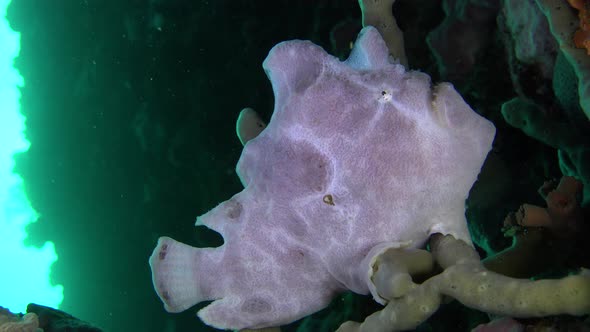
(25, 271)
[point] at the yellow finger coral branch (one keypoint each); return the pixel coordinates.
(466, 280)
(378, 13)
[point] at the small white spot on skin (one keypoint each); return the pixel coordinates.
(385, 96)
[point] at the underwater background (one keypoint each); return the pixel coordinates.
(130, 110)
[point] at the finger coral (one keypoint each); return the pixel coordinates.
(467, 280)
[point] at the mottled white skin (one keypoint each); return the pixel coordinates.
(357, 154)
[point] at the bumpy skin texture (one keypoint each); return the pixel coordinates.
(357, 154)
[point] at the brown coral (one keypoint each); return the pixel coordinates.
(582, 35)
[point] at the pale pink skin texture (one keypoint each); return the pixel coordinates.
(357, 153)
(504, 324)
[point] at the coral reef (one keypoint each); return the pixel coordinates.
(563, 23)
(544, 238)
(10, 322)
(54, 320)
(571, 144)
(388, 262)
(42, 319)
(461, 36)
